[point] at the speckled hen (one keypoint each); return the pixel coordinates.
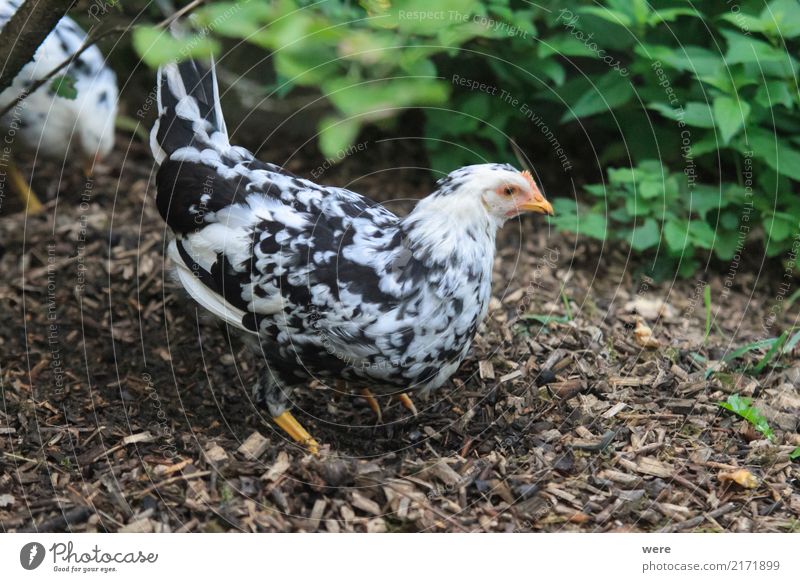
(325, 282)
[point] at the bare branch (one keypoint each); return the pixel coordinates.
(25, 32)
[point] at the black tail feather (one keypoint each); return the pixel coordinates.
(189, 112)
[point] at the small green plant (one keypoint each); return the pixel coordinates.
(744, 407)
(226, 493)
(565, 301)
(775, 346)
(707, 303)
(795, 454)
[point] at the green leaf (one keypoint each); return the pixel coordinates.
(792, 343)
(778, 226)
(751, 347)
(694, 113)
(795, 454)
(336, 136)
(545, 319)
(570, 218)
(707, 303)
(703, 199)
(158, 47)
(783, 17)
(692, 59)
(676, 236)
(726, 244)
(650, 189)
(730, 116)
(564, 45)
(776, 152)
(702, 235)
(233, 19)
(64, 86)
(774, 93)
(773, 351)
(618, 18)
(593, 225)
(748, 49)
(610, 92)
(645, 236)
(306, 65)
(744, 408)
(381, 99)
(421, 17)
(621, 175)
(671, 14)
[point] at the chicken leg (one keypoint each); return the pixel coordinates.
(294, 429)
(407, 403)
(373, 403)
(18, 183)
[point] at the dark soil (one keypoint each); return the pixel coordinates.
(124, 409)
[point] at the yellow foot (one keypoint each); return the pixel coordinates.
(407, 403)
(88, 168)
(373, 403)
(29, 199)
(294, 429)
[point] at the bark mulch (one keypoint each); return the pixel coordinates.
(585, 405)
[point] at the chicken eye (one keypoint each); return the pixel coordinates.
(509, 191)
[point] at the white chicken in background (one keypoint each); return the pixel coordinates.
(56, 127)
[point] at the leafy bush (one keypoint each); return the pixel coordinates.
(690, 112)
(650, 209)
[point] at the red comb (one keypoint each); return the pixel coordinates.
(537, 195)
(527, 175)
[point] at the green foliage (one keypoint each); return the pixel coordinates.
(371, 61)
(650, 209)
(690, 110)
(744, 408)
(775, 347)
(795, 454)
(64, 86)
(157, 46)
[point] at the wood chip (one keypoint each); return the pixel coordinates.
(654, 467)
(365, 504)
(486, 370)
(255, 446)
(510, 376)
(142, 437)
(278, 468)
(614, 410)
(626, 479)
(216, 455)
(318, 510)
(650, 308)
(145, 525)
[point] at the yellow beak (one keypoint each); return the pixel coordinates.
(540, 206)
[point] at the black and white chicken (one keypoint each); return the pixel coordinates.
(57, 127)
(325, 282)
